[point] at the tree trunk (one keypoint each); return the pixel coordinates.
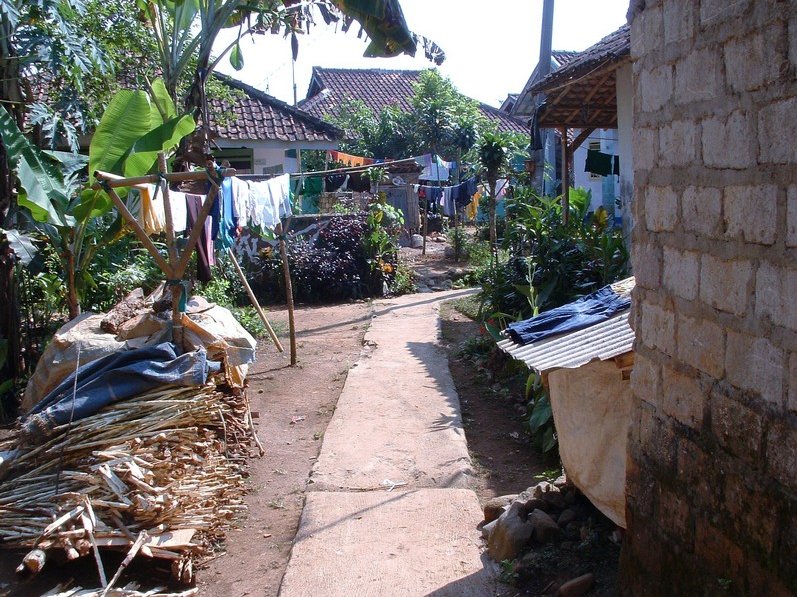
(71, 287)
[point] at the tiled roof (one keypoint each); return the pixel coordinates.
(612, 48)
(563, 56)
(377, 89)
(260, 116)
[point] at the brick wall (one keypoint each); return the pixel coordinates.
(712, 483)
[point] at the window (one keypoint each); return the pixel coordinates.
(240, 158)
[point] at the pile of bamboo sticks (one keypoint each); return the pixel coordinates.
(162, 475)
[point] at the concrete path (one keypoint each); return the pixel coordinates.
(387, 511)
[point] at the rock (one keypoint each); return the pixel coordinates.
(440, 238)
(510, 534)
(416, 242)
(545, 528)
(539, 489)
(554, 498)
(570, 497)
(448, 252)
(143, 324)
(494, 507)
(566, 517)
(577, 586)
(488, 528)
(533, 504)
(560, 481)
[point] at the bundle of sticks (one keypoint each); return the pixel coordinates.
(162, 475)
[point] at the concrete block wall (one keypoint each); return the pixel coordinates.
(712, 481)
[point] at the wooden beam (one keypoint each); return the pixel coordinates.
(597, 87)
(582, 136)
(115, 181)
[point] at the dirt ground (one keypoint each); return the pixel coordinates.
(292, 407)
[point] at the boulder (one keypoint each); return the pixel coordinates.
(545, 527)
(494, 507)
(566, 517)
(416, 241)
(554, 498)
(488, 528)
(510, 534)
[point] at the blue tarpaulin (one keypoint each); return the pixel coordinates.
(116, 377)
(584, 312)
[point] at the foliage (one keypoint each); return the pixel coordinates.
(112, 283)
(135, 127)
(494, 153)
(552, 262)
(541, 424)
(222, 291)
(388, 134)
(381, 241)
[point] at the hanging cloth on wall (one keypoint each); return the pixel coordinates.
(313, 185)
(598, 163)
(616, 169)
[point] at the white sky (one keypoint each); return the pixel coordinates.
(491, 47)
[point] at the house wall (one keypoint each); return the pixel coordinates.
(267, 154)
(712, 481)
(603, 188)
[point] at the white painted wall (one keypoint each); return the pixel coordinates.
(603, 190)
(272, 153)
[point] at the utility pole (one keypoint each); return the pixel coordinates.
(544, 69)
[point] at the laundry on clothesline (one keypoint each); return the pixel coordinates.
(348, 159)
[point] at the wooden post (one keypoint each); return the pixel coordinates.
(565, 178)
(176, 289)
(286, 273)
(253, 298)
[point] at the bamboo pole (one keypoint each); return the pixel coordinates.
(114, 180)
(253, 298)
(139, 232)
(286, 272)
(176, 289)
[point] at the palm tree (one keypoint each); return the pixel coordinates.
(493, 158)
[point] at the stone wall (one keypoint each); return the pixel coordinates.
(712, 484)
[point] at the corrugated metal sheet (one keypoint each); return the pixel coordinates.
(602, 341)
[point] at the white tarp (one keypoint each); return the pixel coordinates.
(592, 412)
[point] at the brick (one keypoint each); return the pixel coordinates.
(775, 292)
(791, 216)
(727, 142)
(756, 365)
(646, 262)
(777, 129)
(781, 455)
(792, 403)
(752, 513)
(655, 88)
(661, 209)
(675, 518)
(645, 378)
(701, 209)
(646, 145)
(678, 141)
(713, 12)
(751, 213)
(681, 273)
(722, 557)
(684, 400)
(752, 61)
(657, 328)
(701, 473)
(738, 429)
(724, 284)
(698, 76)
(701, 344)
(679, 21)
(662, 448)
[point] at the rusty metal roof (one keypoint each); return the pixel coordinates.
(602, 341)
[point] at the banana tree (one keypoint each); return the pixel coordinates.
(136, 126)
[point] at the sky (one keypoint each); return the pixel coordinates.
(491, 46)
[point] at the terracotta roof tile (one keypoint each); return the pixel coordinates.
(377, 89)
(260, 116)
